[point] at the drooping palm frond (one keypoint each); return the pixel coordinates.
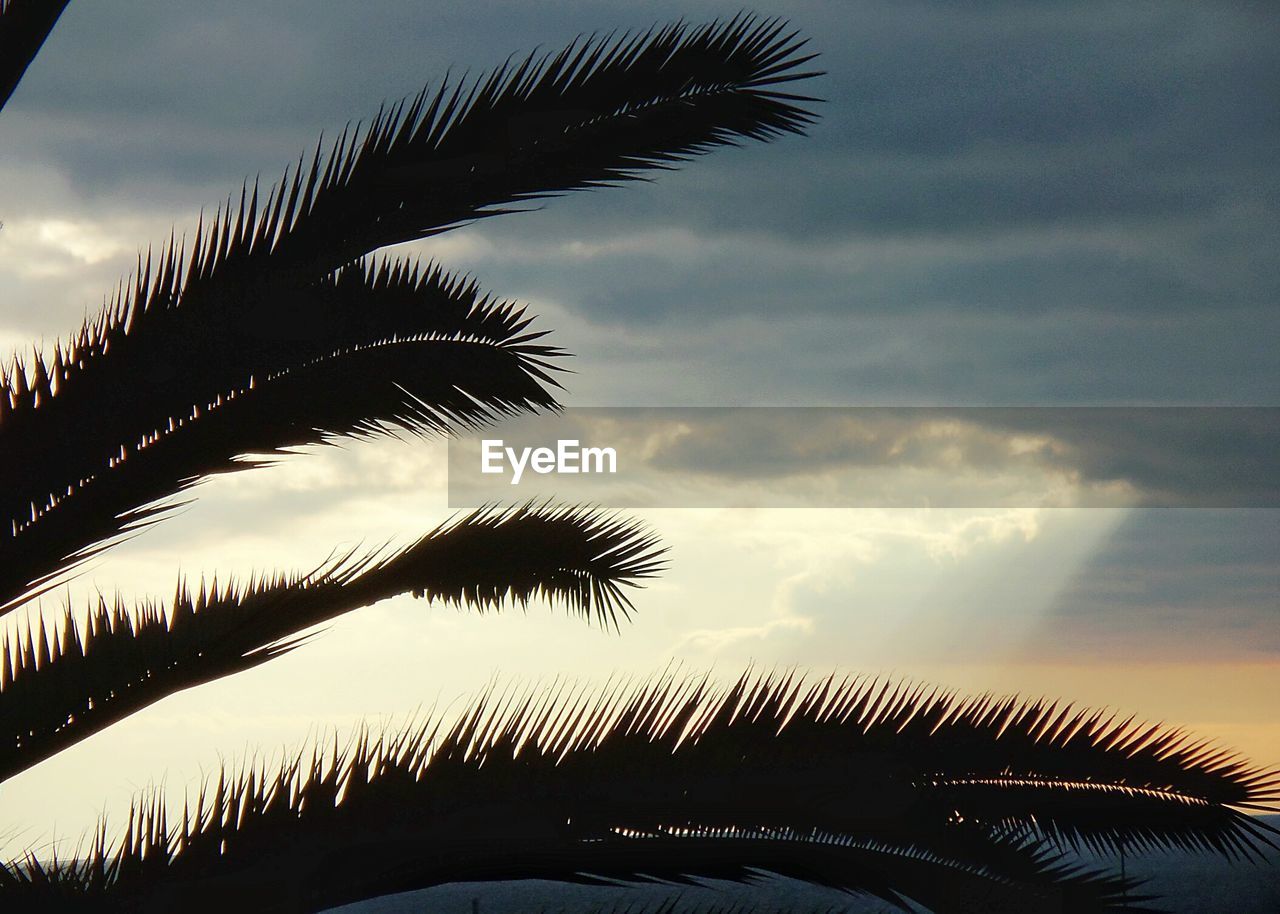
(59, 687)
(433, 356)
(842, 782)
(599, 112)
(24, 26)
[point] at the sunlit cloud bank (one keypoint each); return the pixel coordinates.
(1002, 598)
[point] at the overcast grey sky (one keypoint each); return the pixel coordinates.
(1004, 203)
(1023, 203)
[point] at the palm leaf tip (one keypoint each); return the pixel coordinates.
(579, 557)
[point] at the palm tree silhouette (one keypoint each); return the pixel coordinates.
(278, 326)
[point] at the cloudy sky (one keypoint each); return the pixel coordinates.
(1005, 204)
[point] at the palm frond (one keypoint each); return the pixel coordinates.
(242, 301)
(437, 358)
(191, 356)
(841, 782)
(59, 687)
(24, 27)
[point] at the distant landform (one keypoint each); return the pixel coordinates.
(1185, 884)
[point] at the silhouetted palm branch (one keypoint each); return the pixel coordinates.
(599, 112)
(59, 687)
(840, 782)
(24, 26)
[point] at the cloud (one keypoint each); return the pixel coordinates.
(880, 457)
(1002, 204)
(879, 589)
(715, 640)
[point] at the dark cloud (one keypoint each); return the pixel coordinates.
(924, 359)
(1199, 455)
(1004, 202)
(936, 115)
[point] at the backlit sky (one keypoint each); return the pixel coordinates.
(1004, 204)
